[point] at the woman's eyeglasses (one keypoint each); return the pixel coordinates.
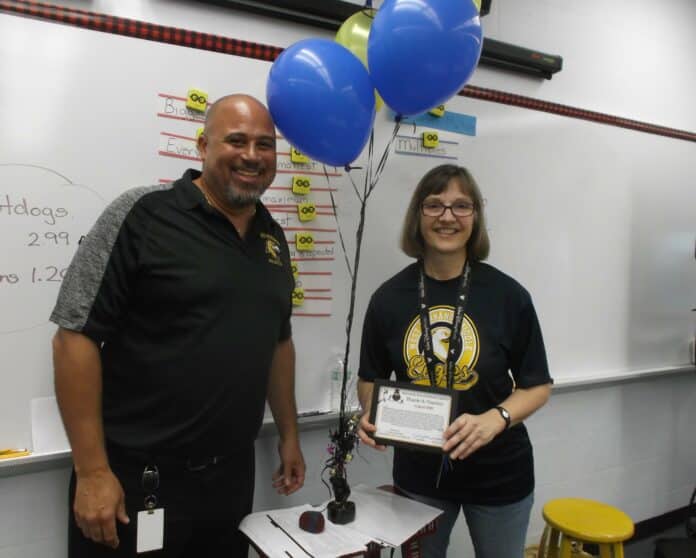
(437, 209)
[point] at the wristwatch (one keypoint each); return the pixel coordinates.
(505, 414)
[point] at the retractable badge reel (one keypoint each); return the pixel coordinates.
(151, 520)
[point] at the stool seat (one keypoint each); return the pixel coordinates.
(588, 520)
(572, 522)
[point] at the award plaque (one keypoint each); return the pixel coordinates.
(411, 416)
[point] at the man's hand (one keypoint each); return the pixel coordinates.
(468, 433)
(366, 430)
(291, 473)
(99, 502)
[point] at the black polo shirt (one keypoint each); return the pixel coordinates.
(187, 315)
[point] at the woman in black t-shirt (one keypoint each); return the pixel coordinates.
(495, 359)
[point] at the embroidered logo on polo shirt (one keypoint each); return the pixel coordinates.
(465, 377)
(272, 249)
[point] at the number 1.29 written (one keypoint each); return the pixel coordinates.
(48, 273)
(41, 274)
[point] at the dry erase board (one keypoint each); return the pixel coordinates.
(596, 221)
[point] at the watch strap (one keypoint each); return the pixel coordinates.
(505, 414)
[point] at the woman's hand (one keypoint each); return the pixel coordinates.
(366, 430)
(468, 433)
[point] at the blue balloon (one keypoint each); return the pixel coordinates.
(322, 100)
(421, 52)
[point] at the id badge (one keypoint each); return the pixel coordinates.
(150, 530)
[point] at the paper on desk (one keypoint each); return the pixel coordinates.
(269, 540)
(334, 540)
(380, 516)
(387, 517)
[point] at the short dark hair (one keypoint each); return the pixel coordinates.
(435, 181)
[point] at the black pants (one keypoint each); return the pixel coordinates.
(203, 505)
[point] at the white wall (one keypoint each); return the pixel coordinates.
(629, 444)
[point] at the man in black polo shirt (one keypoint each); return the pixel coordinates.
(174, 328)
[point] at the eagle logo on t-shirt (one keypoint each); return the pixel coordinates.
(465, 377)
(272, 249)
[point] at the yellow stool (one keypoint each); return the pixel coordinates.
(570, 522)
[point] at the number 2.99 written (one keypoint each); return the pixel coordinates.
(49, 238)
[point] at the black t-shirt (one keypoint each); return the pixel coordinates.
(187, 315)
(502, 348)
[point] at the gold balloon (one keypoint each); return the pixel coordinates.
(353, 35)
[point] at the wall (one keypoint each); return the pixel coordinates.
(630, 444)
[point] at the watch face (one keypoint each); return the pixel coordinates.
(505, 414)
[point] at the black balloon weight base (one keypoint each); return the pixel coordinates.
(341, 512)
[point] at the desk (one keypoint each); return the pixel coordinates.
(384, 520)
(409, 549)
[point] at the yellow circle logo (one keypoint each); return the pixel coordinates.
(441, 317)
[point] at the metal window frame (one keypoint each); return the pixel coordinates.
(330, 14)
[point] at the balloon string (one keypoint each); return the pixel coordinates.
(353, 272)
(351, 308)
(383, 160)
(338, 223)
(368, 172)
(352, 182)
(370, 183)
(385, 155)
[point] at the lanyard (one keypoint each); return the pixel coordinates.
(455, 327)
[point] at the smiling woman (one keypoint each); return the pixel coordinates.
(446, 210)
(446, 222)
(474, 331)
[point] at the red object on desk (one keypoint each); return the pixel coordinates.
(312, 521)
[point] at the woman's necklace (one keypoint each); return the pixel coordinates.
(455, 327)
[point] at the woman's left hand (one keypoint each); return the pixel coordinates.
(467, 433)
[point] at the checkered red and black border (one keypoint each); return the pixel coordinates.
(216, 43)
(572, 112)
(139, 29)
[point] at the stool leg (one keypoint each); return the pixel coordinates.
(605, 550)
(566, 547)
(543, 548)
(618, 550)
(553, 543)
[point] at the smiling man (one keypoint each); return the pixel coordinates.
(174, 328)
(238, 149)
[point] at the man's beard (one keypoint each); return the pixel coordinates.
(239, 198)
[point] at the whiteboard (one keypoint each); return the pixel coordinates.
(597, 222)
